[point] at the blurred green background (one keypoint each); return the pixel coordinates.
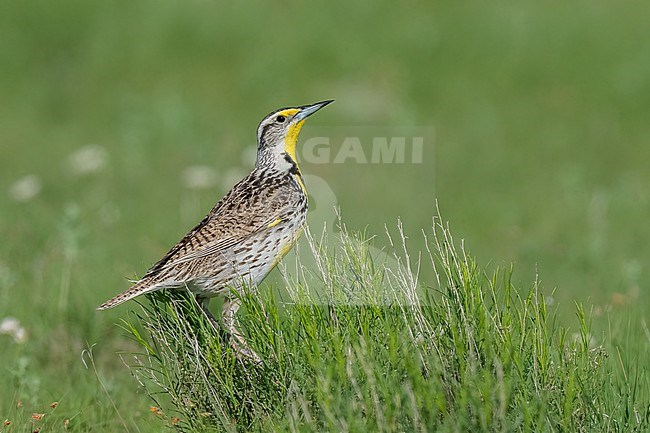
(121, 123)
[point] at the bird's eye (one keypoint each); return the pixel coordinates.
(280, 119)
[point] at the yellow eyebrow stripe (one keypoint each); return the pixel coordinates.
(274, 223)
(288, 112)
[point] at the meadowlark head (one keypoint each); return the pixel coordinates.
(278, 132)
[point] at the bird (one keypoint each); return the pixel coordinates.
(245, 235)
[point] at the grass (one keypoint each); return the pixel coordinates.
(539, 159)
(468, 352)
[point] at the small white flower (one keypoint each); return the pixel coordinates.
(199, 177)
(87, 159)
(26, 188)
(11, 326)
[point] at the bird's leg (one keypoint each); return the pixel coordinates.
(218, 327)
(204, 303)
(238, 342)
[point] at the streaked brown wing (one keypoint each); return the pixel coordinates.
(227, 225)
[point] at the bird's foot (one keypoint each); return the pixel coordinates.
(242, 350)
(237, 341)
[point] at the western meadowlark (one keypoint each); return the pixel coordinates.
(245, 234)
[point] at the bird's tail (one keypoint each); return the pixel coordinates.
(140, 288)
